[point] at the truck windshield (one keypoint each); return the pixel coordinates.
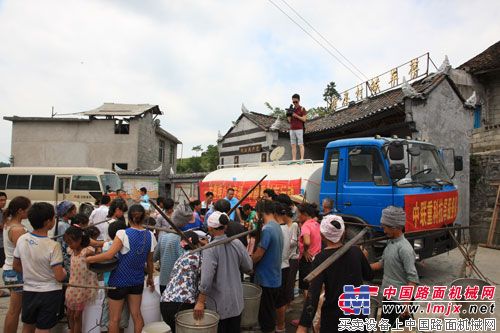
(424, 168)
(111, 182)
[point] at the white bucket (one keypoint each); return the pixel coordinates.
(156, 327)
(91, 316)
(150, 307)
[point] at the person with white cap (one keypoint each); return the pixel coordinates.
(398, 259)
(220, 284)
(350, 269)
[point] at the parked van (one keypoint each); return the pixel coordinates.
(53, 185)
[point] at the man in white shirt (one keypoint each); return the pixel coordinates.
(100, 214)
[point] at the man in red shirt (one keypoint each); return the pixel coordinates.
(297, 120)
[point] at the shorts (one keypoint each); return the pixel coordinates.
(41, 308)
(305, 268)
(283, 298)
(121, 292)
(297, 136)
(105, 315)
(12, 277)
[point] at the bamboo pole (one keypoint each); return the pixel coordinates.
(223, 241)
(91, 225)
(245, 196)
(330, 260)
(176, 228)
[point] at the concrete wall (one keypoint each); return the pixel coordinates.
(442, 120)
(73, 144)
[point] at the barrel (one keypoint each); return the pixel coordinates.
(251, 301)
(156, 327)
(464, 311)
(150, 307)
(185, 322)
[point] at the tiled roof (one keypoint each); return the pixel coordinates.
(485, 61)
(370, 106)
(167, 135)
(119, 109)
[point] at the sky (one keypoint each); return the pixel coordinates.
(199, 60)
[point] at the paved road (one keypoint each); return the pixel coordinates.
(440, 270)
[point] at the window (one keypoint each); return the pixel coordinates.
(161, 151)
(365, 165)
(332, 165)
(122, 126)
(263, 157)
(85, 183)
(477, 116)
(236, 160)
(3, 180)
(123, 166)
(42, 182)
(63, 185)
(18, 182)
(172, 154)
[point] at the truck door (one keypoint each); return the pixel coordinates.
(366, 188)
(331, 168)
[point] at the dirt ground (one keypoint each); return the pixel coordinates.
(440, 270)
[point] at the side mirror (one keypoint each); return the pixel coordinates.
(397, 171)
(396, 151)
(458, 163)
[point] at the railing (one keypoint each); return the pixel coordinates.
(254, 164)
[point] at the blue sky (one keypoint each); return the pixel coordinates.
(200, 60)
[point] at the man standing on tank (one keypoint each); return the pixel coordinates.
(297, 117)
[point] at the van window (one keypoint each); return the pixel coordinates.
(332, 164)
(42, 182)
(3, 179)
(85, 183)
(365, 165)
(18, 182)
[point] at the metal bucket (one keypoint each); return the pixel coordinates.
(251, 300)
(185, 322)
(466, 305)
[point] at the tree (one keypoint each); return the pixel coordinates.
(197, 149)
(330, 94)
(207, 162)
(275, 111)
(210, 158)
(319, 111)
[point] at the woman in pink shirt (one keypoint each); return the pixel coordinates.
(309, 241)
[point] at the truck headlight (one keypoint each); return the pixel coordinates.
(418, 244)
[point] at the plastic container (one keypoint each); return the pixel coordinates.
(185, 322)
(150, 307)
(92, 313)
(251, 300)
(156, 327)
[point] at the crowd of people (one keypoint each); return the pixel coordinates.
(288, 239)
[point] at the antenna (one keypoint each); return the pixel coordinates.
(53, 113)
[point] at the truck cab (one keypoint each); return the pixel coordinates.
(365, 175)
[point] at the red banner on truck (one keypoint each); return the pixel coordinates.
(219, 188)
(426, 211)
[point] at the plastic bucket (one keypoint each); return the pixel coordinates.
(91, 317)
(251, 300)
(185, 322)
(150, 308)
(467, 306)
(156, 327)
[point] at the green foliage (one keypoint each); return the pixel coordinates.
(275, 111)
(330, 93)
(207, 162)
(319, 111)
(4, 165)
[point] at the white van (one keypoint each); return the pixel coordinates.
(53, 185)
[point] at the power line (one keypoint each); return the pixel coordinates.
(324, 38)
(316, 40)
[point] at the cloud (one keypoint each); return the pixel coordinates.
(199, 60)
